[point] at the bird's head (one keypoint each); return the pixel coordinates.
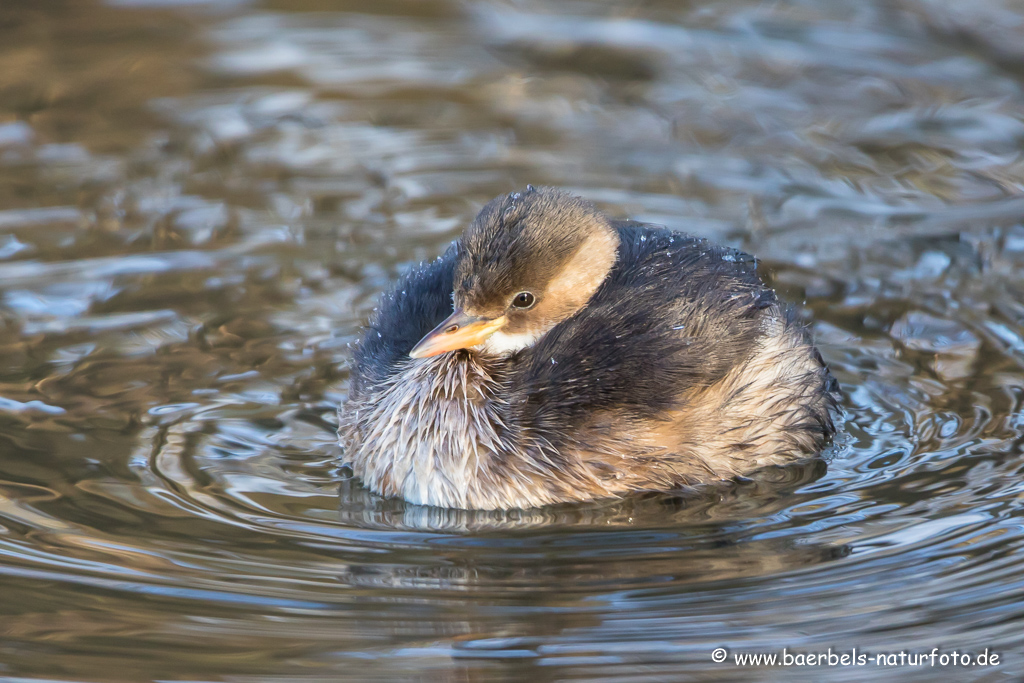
(529, 261)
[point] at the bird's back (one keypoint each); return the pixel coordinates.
(685, 361)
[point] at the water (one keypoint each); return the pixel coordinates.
(199, 202)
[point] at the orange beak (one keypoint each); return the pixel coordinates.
(458, 331)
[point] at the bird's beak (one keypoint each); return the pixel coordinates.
(458, 331)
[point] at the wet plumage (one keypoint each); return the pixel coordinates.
(584, 358)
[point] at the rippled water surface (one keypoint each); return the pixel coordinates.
(199, 202)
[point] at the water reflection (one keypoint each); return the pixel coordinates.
(199, 202)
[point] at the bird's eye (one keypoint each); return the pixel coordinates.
(523, 300)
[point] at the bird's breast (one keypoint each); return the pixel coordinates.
(430, 434)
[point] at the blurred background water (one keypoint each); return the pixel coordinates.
(199, 202)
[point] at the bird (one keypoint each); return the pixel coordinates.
(553, 355)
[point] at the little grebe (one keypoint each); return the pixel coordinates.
(585, 358)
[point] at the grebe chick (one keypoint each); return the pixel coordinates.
(553, 355)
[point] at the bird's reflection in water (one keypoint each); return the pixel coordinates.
(707, 533)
